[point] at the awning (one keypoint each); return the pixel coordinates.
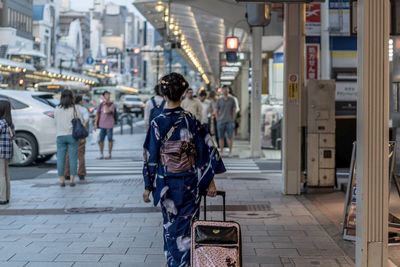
(5, 63)
(69, 75)
(26, 52)
(206, 23)
(204, 33)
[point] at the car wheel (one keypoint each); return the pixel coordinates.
(29, 148)
(43, 158)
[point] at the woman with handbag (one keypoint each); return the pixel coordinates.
(180, 163)
(6, 151)
(64, 115)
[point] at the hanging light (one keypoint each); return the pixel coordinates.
(159, 7)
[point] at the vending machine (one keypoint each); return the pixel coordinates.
(320, 133)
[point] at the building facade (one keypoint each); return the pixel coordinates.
(44, 31)
(67, 17)
(16, 24)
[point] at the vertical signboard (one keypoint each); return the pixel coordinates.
(312, 61)
(313, 19)
(339, 17)
(350, 207)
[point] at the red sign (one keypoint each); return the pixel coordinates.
(312, 61)
(313, 19)
(232, 43)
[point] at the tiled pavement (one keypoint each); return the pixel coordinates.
(279, 231)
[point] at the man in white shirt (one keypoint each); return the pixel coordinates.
(206, 108)
(192, 105)
(154, 107)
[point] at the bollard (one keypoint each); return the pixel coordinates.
(121, 121)
(130, 121)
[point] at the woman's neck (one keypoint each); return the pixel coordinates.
(172, 105)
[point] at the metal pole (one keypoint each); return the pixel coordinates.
(61, 61)
(119, 63)
(325, 47)
(168, 33)
(170, 60)
(255, 129)
(292, 104)
(158, 67)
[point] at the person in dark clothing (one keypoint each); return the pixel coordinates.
(177, 182)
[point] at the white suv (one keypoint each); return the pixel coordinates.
(131, 104)
(33, 117)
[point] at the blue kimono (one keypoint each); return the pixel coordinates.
(179, 193)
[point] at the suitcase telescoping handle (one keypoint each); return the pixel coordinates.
(219, 193)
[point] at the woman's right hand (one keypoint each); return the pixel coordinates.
(146, 196)
(212, 189)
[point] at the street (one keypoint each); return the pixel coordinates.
(104, 222)
(47, 169)
(120, 165)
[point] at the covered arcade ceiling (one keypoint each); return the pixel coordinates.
(203, 26)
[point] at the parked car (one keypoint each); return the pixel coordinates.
(33, 117)
(131, 104)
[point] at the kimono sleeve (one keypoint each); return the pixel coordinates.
(151, 152)
(208, 159)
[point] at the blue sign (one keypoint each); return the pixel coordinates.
(89, 60)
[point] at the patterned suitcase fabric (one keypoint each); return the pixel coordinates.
(216, 244)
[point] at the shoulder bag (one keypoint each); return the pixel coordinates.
(17, 156)
(78, 130)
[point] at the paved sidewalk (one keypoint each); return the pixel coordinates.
(45, 225)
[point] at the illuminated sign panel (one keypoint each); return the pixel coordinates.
(232, 43)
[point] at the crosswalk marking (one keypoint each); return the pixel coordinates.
(128, 167)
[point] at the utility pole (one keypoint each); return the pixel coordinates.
(157, 52)
(158, 67)
(62, 61)
(170, 60)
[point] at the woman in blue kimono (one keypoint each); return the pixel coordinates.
(180, 161)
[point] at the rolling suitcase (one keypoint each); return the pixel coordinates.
(216, 243)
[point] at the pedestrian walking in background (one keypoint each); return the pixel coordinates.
(105, 121)
(6, 153)
(206, 109)
(82, 142)
(192, 105)
(63, 115)
(212, 96)
(179, 164)
(226, 115)
(154, 107)
(237, 118)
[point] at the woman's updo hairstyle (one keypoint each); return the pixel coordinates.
(173, 86)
